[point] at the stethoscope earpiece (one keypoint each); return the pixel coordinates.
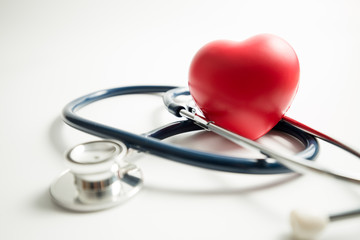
(98, 177)
(307, 224)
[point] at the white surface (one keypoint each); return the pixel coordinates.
(54, 51)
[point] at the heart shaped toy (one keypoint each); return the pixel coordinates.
(245, 87)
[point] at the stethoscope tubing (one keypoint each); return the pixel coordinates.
(151, 143)
(154, 146)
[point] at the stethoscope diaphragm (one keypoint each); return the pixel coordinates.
(98, 177)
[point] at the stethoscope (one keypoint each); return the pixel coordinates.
(99, 176)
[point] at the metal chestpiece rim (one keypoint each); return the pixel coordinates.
(98, 177)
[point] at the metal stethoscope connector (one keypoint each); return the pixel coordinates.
(98, 177)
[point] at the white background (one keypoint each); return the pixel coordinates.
(54, 51)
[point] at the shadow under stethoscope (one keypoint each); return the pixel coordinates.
(224, 192)
(56, 135)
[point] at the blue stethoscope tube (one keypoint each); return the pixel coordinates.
(150, 142)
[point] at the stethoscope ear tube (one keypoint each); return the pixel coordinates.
(295, 163)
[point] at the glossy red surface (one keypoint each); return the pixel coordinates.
(245, 87)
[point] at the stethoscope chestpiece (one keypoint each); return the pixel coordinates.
(98, 177)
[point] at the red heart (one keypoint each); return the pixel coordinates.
(245, 87)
